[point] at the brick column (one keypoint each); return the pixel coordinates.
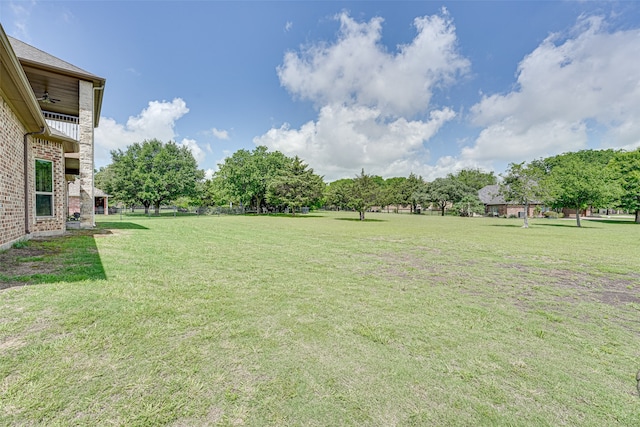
(86, 154)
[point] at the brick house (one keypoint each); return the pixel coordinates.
(496, 205)
(101, 199)
(48, 111)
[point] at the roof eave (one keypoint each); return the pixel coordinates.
(28, 108)
(98, 83)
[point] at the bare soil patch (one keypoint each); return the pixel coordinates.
(38, 256)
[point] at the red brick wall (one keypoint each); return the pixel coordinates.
(12, 227)
(74, 204)
(11, 176)
(52, 151)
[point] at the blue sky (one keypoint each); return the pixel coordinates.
(392, 87)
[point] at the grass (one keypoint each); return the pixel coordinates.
(271, 320)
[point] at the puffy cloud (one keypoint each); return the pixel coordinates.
(345, 139)
(374, 106)
(220, 134)
(208, 173)
(156, 121)
(358, 69)
(196, 150)
(568, 92)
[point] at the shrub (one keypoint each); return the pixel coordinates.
(553, 214)
(20, 244)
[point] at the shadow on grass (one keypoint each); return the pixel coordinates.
(120, 225)
(614, 221)
(569, 224)
(358, 220)
(291, 216)
(72, 257)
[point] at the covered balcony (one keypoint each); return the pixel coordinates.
(64, 123)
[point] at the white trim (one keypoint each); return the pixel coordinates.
(45, 193)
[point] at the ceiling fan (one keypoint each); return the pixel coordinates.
(46, 99)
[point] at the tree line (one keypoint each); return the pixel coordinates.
(152, 173)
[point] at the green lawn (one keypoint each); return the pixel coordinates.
(321, 320)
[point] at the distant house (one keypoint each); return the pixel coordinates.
(48, 111)
(100, 199)
(571, 213)
(496, 205)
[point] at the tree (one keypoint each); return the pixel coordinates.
(103, 177)
(625, 168)
(411, 190)
(363, 193)
(337, 193)
(296, 186)
(469, 205)
(152, 172)
(475, 178)
(576, 182)
(445, 191)
(245, 176)
(392, 193)
(213, 193)
(521, 185)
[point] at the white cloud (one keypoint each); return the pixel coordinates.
(208, 173)
(374, 106)
(220, 134)
(288, 26)
(22, 14)
(567, 89)
(196, 150)
(345, 139)
(157, 121)
(358, 70)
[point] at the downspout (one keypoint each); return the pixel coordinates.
(26, 177)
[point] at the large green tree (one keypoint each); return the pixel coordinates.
(412, 191)
(153, 172)
(625, 168)
(446, 191)
(363, 194)
(393, 192)
(245, 175)
(336, 194)
(295, 186)
(579, 181)
(475, 178)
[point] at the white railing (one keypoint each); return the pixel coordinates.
(63, 123)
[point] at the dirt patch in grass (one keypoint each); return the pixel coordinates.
(22, 264)
(614, 289)
(617, 290)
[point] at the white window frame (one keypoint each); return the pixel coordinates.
(44, 193)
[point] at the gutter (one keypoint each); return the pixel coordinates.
(97, 108)
(26, 177)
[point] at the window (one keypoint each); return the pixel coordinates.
(44, 188)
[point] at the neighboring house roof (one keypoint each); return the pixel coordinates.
(490, 195)
(74, 190)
